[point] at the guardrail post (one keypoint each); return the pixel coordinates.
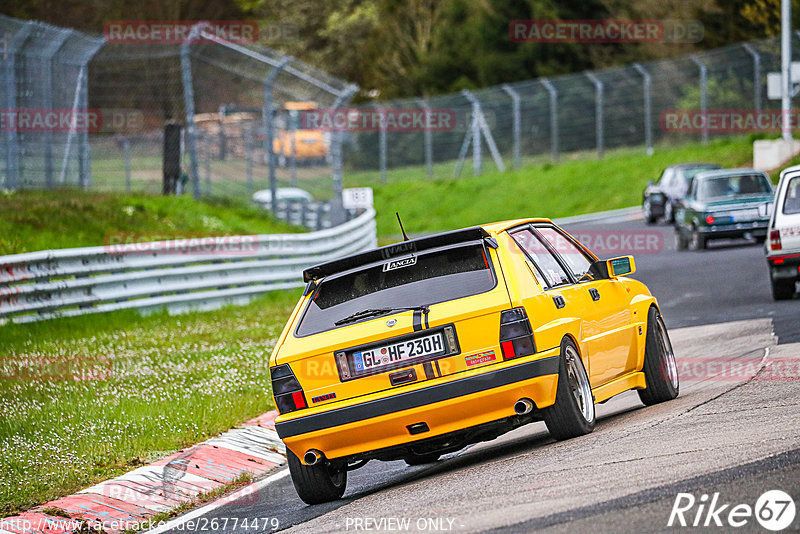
(10, 103)
(598, 113)
(382, 142)
(756, 76)
(648, 107)
(703, 96)
(188, 98)
(516, 124)
(551, 89)
(207, 161)
(428, 139)
(269, 136)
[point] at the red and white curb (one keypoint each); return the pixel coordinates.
(128, 501)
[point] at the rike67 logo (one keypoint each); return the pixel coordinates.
(774, 510)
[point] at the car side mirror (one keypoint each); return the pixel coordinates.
(613, 268)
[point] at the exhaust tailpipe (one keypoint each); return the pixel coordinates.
(523, 406)
(312, 457)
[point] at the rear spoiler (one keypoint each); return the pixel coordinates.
(403, 248)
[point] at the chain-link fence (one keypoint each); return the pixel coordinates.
(594, 112)
(112, 98)
(241, 109)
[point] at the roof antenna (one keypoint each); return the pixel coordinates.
(405, 237)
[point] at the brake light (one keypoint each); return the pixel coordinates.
(710, 219)
(516, 335)
(286, 389)
(775, 240)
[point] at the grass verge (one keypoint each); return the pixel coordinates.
(573, 187)
(39, 220)
(88, 398)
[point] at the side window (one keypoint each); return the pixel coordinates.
(577, 261)
(791, 203)
(548, 266)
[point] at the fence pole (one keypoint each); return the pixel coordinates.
(551, 89)
(428, 138)
(47, 55)
(126, 158)
(207, 161)
(477, 160)
(648, 107)
(338, 215)
(248, 148)
(188, 98)
(269, 135)
(756, 76)
(382, 142)
(703, 96)
(598, 113)
(516, 125)
(293, 155)
(10, 103)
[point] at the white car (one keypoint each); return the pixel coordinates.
(783, 243)
(263, 198)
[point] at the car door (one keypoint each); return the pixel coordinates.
(607, 333)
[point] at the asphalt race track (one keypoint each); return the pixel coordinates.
(735, 434)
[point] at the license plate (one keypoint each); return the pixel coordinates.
(745, 215)
(393, 354)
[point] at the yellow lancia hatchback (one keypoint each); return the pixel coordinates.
(420, 348)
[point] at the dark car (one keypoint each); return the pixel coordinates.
(724, 204)
(658, 199)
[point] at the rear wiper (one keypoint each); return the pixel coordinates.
(374, 312)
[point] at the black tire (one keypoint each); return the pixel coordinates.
(782, 289)
(647, 212)
(416, 459)
(660, 368)
(681, 242)
(669, 213)
(316, 484)
(697, 240)
(566, 418)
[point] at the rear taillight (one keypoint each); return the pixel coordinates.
(710, 219)
(775, 240)
(516, 336)
(286, 389)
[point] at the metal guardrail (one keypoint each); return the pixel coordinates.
(178, 275)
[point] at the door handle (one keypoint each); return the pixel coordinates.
(595, 294)
(559, 301)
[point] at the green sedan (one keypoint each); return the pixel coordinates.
(724, 204)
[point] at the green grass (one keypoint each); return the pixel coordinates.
(39, 220)
(577, 185)
(88, 398)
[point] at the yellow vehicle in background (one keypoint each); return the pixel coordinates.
(420, 348)
(309, 146)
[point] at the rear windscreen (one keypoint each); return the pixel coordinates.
(425, 278)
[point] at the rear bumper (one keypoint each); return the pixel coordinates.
(784, 266)
(755, 228)
(446, 406)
